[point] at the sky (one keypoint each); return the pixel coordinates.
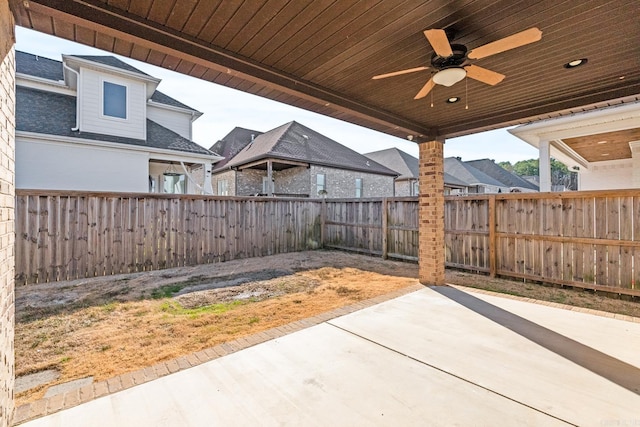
(225, 108)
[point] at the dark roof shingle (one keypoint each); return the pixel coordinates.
(403, 163)
(232, 144)
(293, 141)
(55, 114)
(501, 174)
(38, 66)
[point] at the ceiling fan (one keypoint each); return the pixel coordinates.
(451, 61)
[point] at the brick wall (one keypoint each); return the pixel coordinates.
(229, 177)
(7, 195)
(341, 183)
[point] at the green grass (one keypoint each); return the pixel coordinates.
(174, 308)
(166, 291)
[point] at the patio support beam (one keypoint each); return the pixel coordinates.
(635, 159)
(544, 167)
(7, 198)
(431, 200)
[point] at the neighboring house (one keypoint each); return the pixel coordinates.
(602, 145)
(406, 184)
(515, 183)
(295, 161)
(95, 123)
(474, 179)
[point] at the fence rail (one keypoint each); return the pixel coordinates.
(586, 239)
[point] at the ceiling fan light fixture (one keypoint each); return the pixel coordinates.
(449, 76)
(453, 100)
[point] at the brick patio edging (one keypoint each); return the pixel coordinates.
(50, 405)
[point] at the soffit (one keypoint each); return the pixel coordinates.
(321, 55)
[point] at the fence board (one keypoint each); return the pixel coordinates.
(580, 239)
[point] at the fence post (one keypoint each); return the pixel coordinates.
(323, 221)
(385, 219)
(492, 235)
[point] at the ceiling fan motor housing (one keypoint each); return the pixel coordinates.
(458, 58)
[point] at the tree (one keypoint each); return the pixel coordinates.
(560, 174)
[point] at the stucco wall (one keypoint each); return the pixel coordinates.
(50, 165)
(7, 197)
(611, 175)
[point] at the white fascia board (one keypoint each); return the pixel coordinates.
(174, 108)
(26, 80)
(157, 153)
(610, 119)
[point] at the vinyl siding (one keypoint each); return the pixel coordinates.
(90, 101)
(178, 122)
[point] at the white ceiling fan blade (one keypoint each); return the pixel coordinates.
(483, 75)
(398, 73)
(516, 40)
(439, 42)
(425, 89)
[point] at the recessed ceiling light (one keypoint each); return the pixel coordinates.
(602, 142)
(453, 100)
(575, 63)
(604, 154)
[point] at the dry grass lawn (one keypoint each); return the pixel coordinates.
(113, 337)
(103, 327)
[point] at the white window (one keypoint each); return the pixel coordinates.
(174, 184)
(321, 188)
(358, 187)
(114, 100)
(223, 187)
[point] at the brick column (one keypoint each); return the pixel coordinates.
(431, 199)
(7, 196)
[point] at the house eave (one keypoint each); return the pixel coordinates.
(116, 145)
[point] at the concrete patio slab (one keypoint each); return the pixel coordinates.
(439, 356)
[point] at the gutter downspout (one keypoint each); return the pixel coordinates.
(77, 127)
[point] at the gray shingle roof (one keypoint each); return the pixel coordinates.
(498, 172)
(163, 98)
(38, 66)
(50, 69)
(232, 144)
(55, 114)
(405, 164)
(468, 174)
(293, 141)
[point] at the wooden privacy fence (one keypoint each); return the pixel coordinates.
(70, 235)
(586, 239)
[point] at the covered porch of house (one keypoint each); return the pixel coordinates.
(323, 59)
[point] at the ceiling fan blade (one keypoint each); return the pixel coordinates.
(398, 73)
(483, 75)
(516, 40)
(425, 89)
(439, 42)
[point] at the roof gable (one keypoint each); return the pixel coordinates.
(403, 163)
(111, 61)
(293, 141)
(232, 144)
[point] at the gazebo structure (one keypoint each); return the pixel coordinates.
(551, 58)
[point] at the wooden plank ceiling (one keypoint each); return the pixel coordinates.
(321, 54)
(604, 146)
